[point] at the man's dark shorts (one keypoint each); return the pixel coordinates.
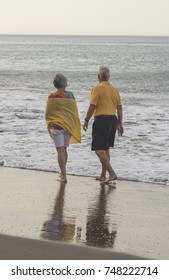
(103, 132)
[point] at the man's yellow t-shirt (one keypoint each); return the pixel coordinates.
(106, 98)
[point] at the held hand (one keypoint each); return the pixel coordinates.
(120, 129)
(85, 126)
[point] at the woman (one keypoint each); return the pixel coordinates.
(62, 121)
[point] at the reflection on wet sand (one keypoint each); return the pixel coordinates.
(58, 227)
(94, 231)
(97, 227)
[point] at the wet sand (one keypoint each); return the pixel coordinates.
(43, 219)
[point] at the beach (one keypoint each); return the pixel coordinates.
(42, 218)
(139, 70)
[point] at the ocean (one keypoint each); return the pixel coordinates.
(139, 69)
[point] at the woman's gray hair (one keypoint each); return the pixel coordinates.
(104, 73)
(60, 81)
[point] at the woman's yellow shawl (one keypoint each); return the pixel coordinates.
(63, 112)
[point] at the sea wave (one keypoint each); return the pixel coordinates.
(28, 117)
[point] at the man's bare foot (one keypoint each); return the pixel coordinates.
(100, 178)
(111, 178)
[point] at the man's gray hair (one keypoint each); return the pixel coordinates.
(104, 73)
(60, 81)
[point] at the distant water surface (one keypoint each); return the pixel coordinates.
(139, 69)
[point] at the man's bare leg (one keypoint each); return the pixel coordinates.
(102, 176)
(104, 158)
(62, 160)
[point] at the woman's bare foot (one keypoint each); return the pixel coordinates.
(62, 178)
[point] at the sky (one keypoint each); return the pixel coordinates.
(85, 17)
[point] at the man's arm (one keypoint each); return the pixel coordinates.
(88, 116)
(120, 119)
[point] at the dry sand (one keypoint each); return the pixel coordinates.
(42, 219)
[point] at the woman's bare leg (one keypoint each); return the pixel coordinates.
(62, 160)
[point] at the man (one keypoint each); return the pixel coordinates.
(105, 103)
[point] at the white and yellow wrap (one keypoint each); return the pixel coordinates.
(63, 112)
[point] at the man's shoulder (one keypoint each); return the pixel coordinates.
(113, 87)
(95, 87)
(103, 85)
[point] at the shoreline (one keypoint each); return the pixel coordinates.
(85, 176)
(129, 217)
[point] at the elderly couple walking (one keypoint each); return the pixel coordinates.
(64, 125)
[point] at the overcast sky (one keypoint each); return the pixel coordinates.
(85, 17)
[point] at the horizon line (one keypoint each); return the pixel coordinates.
(85, 35)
